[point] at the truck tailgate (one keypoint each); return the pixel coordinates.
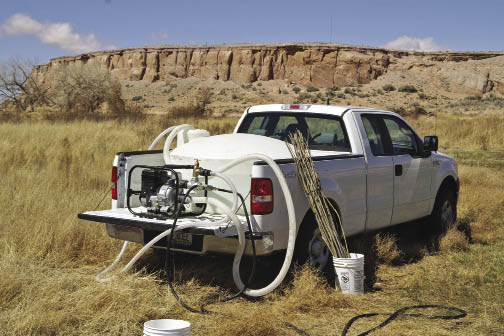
(121, 216)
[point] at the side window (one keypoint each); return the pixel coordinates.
(371, 125)
(327, 134)
(402, 137)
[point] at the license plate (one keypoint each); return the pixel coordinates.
(182, 238)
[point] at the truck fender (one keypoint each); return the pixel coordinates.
(449, 181)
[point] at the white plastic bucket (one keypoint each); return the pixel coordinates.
(350, 273)
(167, 327)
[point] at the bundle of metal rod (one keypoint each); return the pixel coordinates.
(324, 210)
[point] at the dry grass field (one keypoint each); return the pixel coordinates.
(48, 258)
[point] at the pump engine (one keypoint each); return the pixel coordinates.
(162, 192)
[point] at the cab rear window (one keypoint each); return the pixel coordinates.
(322, 132)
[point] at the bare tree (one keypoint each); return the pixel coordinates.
(204, 98)
(82, 89)
(19, 86)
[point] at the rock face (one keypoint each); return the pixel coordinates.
(320, 64)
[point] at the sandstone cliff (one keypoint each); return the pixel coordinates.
(310, 64)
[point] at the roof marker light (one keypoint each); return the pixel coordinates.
(303, 107)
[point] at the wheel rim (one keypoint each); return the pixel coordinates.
(319, 253)
(447, 213)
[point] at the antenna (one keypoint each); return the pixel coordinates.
(330, 39)
(436, 111)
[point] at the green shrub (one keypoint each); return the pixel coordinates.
(303, 96)
(349, 91)
(475, 97)
(312, 89)
(296, 89)
(388, 87)
(407, 88)
(188, 111)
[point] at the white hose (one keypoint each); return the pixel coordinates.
(108, 269)
(160, 136)
(241, 235)
(139, 253)
(169, 139)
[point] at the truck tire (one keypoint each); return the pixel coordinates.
(444, 213)
(310, 247)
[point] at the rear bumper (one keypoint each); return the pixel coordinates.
(121, 224)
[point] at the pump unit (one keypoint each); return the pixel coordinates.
(162, 192)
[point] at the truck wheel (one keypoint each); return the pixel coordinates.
(444, 213)
(310, 247)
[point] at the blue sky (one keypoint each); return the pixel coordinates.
(47, 29)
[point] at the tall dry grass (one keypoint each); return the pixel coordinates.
(463, 132)
(48, 258)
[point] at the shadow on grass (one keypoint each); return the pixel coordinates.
(413, 239)
(212, 269)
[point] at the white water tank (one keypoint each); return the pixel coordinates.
(191, 134)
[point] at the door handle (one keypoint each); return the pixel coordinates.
(398, 170)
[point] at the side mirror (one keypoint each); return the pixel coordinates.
(431, 143)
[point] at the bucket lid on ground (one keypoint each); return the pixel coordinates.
(166, 325)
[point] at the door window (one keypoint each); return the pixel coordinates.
(402, 137)
(375, 138)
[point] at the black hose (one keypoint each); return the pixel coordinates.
(461, 313)
(103, 198)
(169, 253)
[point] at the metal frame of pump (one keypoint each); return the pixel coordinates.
(230, 212)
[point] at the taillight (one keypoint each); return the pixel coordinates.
(114, 182)
(261, 196)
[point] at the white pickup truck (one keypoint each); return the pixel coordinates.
(372, 165)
